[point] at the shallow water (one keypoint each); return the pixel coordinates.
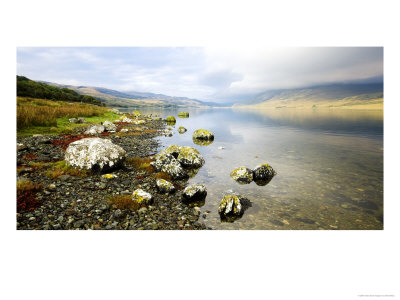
(329, 165)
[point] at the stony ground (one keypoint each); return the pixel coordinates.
(75, 202)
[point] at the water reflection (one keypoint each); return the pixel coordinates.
(329, 165)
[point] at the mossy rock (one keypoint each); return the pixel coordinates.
(194, 192)
(165, 186)
(182, 129)
(263, 174)
(183, 114)
(202, 134)
(242, 175)
(170, 119)
(232, 206)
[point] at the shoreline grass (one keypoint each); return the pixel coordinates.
(38, 116)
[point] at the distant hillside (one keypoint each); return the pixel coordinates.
(40, 90)
(132, 98)
(335, 95)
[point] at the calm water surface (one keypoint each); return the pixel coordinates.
(329, 165)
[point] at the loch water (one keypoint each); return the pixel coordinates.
(329, 165)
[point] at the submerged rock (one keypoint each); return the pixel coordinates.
(263, 174)
(242, 175)
(141, 197)
(108, 126)
(95, 129)
(182, 129)
(194, 192)
(94, 154)
(183, 114)
(165, 186)
(202, 134)
(232, 206)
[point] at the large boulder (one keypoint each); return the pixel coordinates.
(194, 192)
(202, 134)
(94, 154)
(262, 174)
(109, 126)
(95, 129)
(232, 206)
(242, 175)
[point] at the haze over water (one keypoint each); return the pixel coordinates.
(329, 165)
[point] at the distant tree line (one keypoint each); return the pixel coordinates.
(33, 89)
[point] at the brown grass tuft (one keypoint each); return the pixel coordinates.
(162, 175)
(141, 163)
(26, 195)
(125, 202)
(61, 168)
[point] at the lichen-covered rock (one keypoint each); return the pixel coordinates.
(163, 158)
(125, 119)
(190, 157)
(136, 113)
(141, 197)
(183, 114)
(94, 154)
(262, 174)
(194, 192)
(124, 130)
(242, 175)
(182, 129)
(174, 169)
(202, 134)
(232, 206)
(95, 129)
(170, 119)
(108, 126)
(21, 147)
(165, 186)
(137, 122)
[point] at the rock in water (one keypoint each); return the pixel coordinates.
(174, 169)
(94, 154)
(108, 126)
(232, 206)
(242, 175)
(203, 134)
(165, 186)
(263, 174)
(195, 192)
(95, 129)
(182, 129)
(141, 197)
(183, 114)
(170, 119)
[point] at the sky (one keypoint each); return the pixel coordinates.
(204, 73)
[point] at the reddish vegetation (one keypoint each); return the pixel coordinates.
(26, 195)
(30, 157)
(120, 125)
(68, 139)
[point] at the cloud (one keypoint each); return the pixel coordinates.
(205, 73)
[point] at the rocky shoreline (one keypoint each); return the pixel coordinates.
(83, 202)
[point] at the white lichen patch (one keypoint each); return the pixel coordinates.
(94, 153)
(141, 197)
